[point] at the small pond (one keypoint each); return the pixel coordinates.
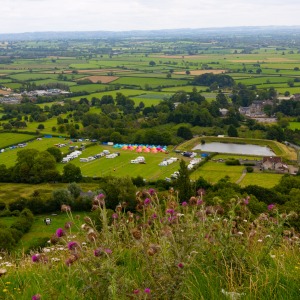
(235, 149)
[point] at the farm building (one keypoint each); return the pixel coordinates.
(274, 163)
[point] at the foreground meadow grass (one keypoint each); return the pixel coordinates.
(166, 250)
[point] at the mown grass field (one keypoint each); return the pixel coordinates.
(214, 171)
(121, 166)
(294, 125)
(151, 82)
(9, 157)
(10, 138)
(266, 180)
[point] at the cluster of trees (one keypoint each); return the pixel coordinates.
(215, 81)
(10, 236)
(33, 166)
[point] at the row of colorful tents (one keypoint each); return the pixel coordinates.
(141, 148)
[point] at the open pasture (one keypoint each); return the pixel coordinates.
(98, 71)
(100, 79)
(90, 88)
(52, 122)
(121, 166)
(266, 180)
(200, 72)
(9, 157)
(294, 125)
(7, 139)
(187, 88)
(214, 171)
(151, 82)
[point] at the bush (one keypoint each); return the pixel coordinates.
(232, 162)
(249, 169)
(18, 204)
(37, 244)
(7, 241)
(24, 221)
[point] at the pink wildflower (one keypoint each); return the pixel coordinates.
(180, 266)
(60, 232)
(72, 245)
(271, 206)
(35, 257)
(147, 201)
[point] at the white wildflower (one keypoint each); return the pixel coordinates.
(232, 295)
(55, 259)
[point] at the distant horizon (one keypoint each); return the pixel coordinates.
(223, 28)
(26, 16)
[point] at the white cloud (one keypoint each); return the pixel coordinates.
(68, 15)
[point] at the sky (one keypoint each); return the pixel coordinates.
(122, 15)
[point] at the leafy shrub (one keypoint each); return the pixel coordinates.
(232, 162)
(249, 169)
(37, 244)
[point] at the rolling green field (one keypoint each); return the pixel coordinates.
(261, 179)
(121, 166)
(214, 171)
(9, 157)
(152, 82)
(7, 139)
(294, 125)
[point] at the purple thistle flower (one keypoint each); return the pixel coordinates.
(108, 251)
(101, 196)
(136, 291)
(271, 206)
(68, 225)
(72, 245)
(35, 257)
(147, 201)
(180, 265)
(199, 201)
(246, 201)
(147, 290)
(36, 297)
(151, 192)
(184, 204)
(170, 211)
(115, 216)
(154, 216)
(98, 252)
(60, 232)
